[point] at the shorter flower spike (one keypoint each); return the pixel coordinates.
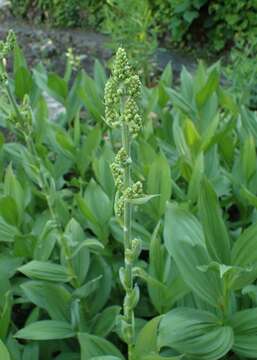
(132, 117)
(7, 45)
(133, 85)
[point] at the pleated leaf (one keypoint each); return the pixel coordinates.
(46, 330)
(184, 239)
(45, 271)
(196, 333)
(244, 253)
(216, 235)
(4, 353)
(244, 324)
(94, 346)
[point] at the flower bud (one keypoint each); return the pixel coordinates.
(132, 298)
(121, 69)
(131, 255)
(124, 278)
(127, 330)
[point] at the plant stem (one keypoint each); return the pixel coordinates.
(128, 312)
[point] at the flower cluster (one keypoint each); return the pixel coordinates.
(73, 59)
(132, 117)
(5, 47)
(118, 168)
(132, 192)
(121, 109)
(22, 120)
(123, 87)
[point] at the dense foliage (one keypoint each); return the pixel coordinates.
(218, 23)
(61, 242)
(60, 13)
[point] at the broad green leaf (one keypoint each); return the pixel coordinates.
(99, 76)
(47, 235)
(97, 299)
(244, 324)
(216, 234)
(208, 89)
(74, 104)
(23, 82)
(244, 254)
(164, 286)
(97, 208)
(4, 353)
(12, 187)
(14, 348)
(91, 244)
(24, 245)
(89, 146)
(43, 270)
(196, 333)
(46, 330)
(184, 240)
(9, 210)
(88, 288)
(159, 182)
(248, 196)
(75, 236)
(92, 346)
(104, 322)
(101, 167)
(66, 144)
(19, 59)
(90, 97)
(5, 315)
(234, 276)
(166, 76)
(194, 187)
(7, 231)
(251, 291)
(248, 158)
(143, 200)
(57, 87)
(146, 342)
(53, 298)
(180, 102)
(31, 352)
(186, 81)
(98, 202)
(180, 141)
(191, 135)
(210, 136)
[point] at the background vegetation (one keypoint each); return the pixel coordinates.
(219, 23)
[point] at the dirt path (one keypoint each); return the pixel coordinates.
(50, 46)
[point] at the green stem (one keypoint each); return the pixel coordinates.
(127, 228)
